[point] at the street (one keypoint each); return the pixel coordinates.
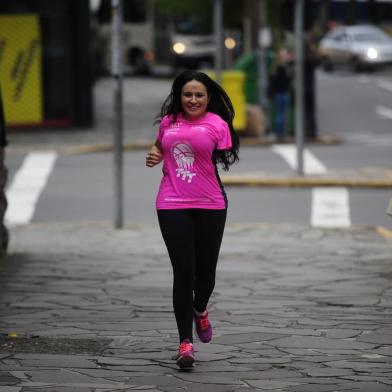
(355, 108)
(292, 292)
(80, 188)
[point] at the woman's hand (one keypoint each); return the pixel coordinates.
(154, 156)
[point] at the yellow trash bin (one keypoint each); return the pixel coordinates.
(233, 83)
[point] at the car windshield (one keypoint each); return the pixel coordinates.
(370, 37)
(192, 25)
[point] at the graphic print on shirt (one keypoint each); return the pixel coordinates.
(184, 156)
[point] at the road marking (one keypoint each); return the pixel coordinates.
(311, 164)
(27, 185)
(385, 84)
(384, 111)
(330, 207)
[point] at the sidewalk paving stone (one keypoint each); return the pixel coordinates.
(295, 309)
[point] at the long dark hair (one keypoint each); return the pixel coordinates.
(219, 103)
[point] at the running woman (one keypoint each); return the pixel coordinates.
(195, 135)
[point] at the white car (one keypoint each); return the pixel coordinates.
(193, 50)
(360, 46)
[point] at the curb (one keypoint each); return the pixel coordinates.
(306, 182)
(254, 181)
(327, 140)
(146, 144)
(96, 148)
(384, 232)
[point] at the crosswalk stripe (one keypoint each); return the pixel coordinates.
(384, 111)
(27, 185)
(312, 165)
(330, 207)
(384, 84)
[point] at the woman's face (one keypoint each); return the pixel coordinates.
(194, 99)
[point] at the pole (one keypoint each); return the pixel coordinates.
(299, 83)
(117, 73)
(218, 37)
(262, 69)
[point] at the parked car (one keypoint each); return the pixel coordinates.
(360, 47)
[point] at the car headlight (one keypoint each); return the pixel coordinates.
(372, 53)
(179, 48)
(230, 43)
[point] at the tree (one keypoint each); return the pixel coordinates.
(233, 10)
(286, 11)
(181, 7)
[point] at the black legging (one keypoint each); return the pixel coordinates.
(193, 238)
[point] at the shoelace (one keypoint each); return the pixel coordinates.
(203, 322)
(185, 347)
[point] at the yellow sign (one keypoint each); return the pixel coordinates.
(20, 69)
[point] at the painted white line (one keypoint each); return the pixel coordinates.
(27, 185)
(311, 164)
(384, 111)
(385, 84)
(330, 207)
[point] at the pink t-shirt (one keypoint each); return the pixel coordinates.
(190, 178)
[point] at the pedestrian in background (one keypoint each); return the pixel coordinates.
(280, 91)
(195, 135)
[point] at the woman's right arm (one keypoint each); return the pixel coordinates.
(154, 155)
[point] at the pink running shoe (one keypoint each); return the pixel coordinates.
(203, 327)
(185, 357)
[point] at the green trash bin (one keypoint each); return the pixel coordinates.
(248, 64)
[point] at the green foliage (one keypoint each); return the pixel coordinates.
(274, 20)
(233, 13)
(233, 10)
(181, 7)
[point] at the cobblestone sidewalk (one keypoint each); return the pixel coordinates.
(295, 309)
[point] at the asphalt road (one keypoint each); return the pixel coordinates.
(353, 107)
(356, 107)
